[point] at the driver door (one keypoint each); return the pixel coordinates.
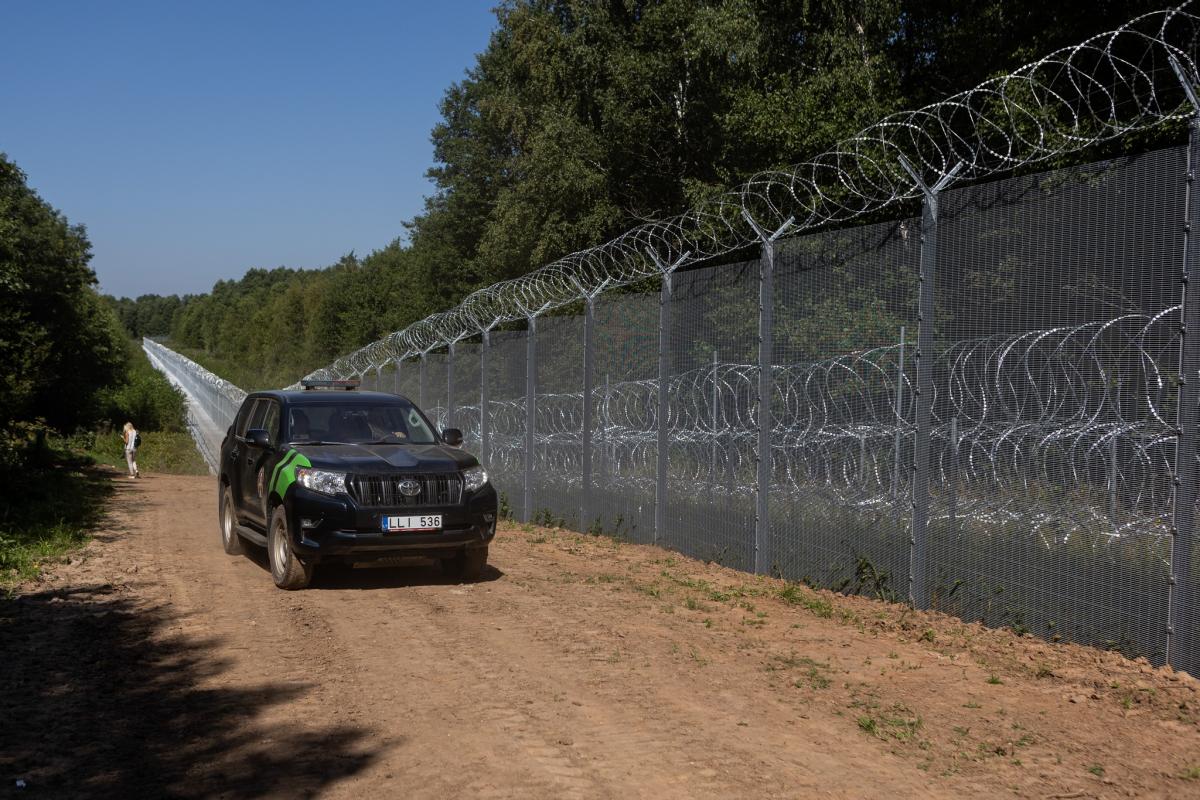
(254, 461)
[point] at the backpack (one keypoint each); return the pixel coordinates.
(137, 440)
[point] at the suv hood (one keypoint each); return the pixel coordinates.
(386, 457)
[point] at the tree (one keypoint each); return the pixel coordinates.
(60, 344)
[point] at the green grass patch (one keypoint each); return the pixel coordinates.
(47, 513)
(172, 452)
(799, 595)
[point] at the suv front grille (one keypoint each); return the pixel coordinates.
(437, 489)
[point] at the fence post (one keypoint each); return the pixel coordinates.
(664, 346)
(530, 413)
(484, 413)
(1181, 612)
(589, 333)
(662, 445)
(766, 392)
(918, 586)
(450, 387)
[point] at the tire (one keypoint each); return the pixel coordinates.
(288, 571)
(227, 518)
(467, 565)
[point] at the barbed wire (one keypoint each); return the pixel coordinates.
(1086, 406)
(1106, 87)
(213, 402)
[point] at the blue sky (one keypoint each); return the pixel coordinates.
(198, 140)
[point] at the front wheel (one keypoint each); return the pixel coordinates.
(466, 565)
(288, 571)
(230, 539)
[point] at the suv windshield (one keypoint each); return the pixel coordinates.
(358, 423)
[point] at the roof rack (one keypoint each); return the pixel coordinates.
(348, 385)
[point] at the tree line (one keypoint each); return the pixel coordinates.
(583, 118)
(65, 360)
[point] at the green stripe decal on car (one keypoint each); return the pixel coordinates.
(285, 472)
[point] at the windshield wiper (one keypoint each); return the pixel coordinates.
(306, 443)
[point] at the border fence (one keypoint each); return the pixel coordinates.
(989, 409)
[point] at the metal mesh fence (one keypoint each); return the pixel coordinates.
(212, 402)
(991, 410)
(1027, 478)
(409, 379)
(506, 418)
(711, 427)
(467, 388)
(624, 443)
(558, 452)
(842, 436)
(1052, 433)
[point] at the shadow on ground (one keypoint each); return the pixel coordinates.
(385, 574)
(100, 698)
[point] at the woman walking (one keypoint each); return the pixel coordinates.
(131, 444)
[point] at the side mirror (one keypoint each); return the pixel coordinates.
(453, 437)
(258, 437)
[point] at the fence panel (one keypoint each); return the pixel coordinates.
(1050, 508)
(434, 396)
(626, 398)
(409, 383)
(841, 494)
(558, 458)
(711, 414)
(467, 374)
(506, 420)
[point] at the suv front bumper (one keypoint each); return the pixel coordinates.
(335, 528)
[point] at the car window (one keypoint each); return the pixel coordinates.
(270, 421)
(359, 423)
(243, 420)
(260, 411)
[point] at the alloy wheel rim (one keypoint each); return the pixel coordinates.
(227, 522)
(280, 549)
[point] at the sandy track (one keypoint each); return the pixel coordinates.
(155, 665)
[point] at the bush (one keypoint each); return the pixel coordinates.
(161, 451)
(144, 396)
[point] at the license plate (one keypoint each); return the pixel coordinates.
(430, 522)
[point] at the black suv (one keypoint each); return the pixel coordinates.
(316, 476)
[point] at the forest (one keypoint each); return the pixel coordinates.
(70, 376)
(581, 119)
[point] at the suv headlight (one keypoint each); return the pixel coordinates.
(322, 481)
(474, 478)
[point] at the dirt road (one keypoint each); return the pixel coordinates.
(157, 666)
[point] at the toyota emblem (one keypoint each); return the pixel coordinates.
(409, 488)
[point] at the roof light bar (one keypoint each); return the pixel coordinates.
(348, 385)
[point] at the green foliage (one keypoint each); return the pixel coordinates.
(580, 120)
(172, 452)
(149, 315)
(47, 512)
(143, 396)
(60, 344)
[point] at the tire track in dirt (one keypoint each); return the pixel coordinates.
(586, 669)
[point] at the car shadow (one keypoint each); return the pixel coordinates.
(386, 574)
(104, 696)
